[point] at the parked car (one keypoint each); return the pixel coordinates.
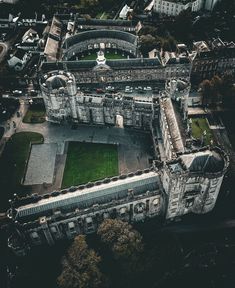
(128, 89)
(17, 92)
(99, 91)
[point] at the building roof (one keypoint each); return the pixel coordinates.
(103, 22)
(124, 11)
(131, 63)
(173, 126)
(104, 33)
(20, 53)
(53, 40)
(201, 46)
(30, 36)
(208, 161)
(88, 196)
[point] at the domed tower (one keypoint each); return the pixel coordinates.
(59, 91)
(193, 181)
(178, 90)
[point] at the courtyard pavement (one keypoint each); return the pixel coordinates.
(134, 150)
(41, 164)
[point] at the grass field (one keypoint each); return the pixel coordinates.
(110, 55)
(35, 115)
(13, 163)
(89, 162)
(199, 125)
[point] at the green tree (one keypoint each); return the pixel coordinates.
(183, 25)
(80, 267)
(148, 43)
(206, 91)
(124, 242)
(169, 44)
(216, 84)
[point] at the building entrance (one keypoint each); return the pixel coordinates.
(119, 121)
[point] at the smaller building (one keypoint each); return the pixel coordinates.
(124, 12)
(19, 59)
(29, 40)
(174, 7)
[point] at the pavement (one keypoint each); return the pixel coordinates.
(41, 164)
(134, 147)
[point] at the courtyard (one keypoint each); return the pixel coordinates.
(89, 162)
(73, 156)
(200, 127)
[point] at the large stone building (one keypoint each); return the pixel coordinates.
(215, 58)
(174, 7)
(183, 178)
(66, 52)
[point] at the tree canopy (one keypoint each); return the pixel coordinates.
(80, 266)
(218, 90)
(125, 242)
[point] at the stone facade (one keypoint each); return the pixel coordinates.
(174, 7)
(188, 184)
(64, 103)
(213, 60)
(182, 180)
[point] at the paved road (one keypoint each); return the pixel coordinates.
(200, 227)
(3, 49)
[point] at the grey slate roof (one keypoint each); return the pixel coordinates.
(87, 197)
(205, 161)
(94, 34)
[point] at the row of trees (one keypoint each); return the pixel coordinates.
(125, 260)
(151, 37)
(218, 91)
(81, 266)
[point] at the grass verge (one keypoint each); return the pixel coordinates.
(35, 115)
(199, 125)
(13, 163)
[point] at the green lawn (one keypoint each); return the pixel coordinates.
(35, 115)
(199, 125)
(110, 55)
(13, 163)
(89, 162)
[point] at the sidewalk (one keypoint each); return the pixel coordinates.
(9, 126)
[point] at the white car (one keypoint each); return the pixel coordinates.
(17, 92)
(147, 88)
(128, 89)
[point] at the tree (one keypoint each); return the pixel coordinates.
(169, 44)
(206, 92)
(124, 242)
(148, 43)
(80, 267)
(218, 91)
(183, 25)
(216, 84)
